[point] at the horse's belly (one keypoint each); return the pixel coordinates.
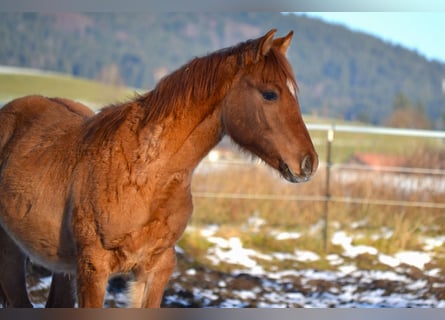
(42, 236)
(45, 254)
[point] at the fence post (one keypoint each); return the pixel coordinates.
(330, 139)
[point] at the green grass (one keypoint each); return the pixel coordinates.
(93, 93)
(346, 144)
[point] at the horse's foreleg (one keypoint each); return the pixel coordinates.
(61, 293)
(151, 280)
(92, 276)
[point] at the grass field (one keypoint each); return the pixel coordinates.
(16, 82)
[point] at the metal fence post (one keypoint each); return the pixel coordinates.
(330, 139)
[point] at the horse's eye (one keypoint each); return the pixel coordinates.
(270, 95)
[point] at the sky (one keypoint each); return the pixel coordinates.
(420, 31)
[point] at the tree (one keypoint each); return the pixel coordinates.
(401, 102)
(406, 115)
(110, 75)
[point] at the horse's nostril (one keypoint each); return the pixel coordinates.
(306, 166)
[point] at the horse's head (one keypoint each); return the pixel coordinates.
(261, 112)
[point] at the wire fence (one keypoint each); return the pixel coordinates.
(395, 176)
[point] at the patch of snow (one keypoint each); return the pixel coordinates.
(434, 272)
(359, 224)
(347, 269)
(204, 294)
(209, 230)
(388, 260)
(417, 285)
(232, 303)
(232, 251)
(342, 239)
(286, 235)
(354, 251)
(298, 255)
(438, 285)
(314, 274)
(255, 222)
(283, 256)
(191, 272)
(433, 243)
(245, 294)
(179, 250)
(306, 256)
(384, 275)
(334, 259)
(220, 242)
(414, 258)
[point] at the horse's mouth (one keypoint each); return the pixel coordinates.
(289, 175)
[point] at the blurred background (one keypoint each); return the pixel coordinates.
(342, 74)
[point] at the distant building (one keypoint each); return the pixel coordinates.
(376, 160)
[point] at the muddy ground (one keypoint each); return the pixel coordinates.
(197, 286)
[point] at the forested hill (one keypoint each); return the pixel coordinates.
(341, 73)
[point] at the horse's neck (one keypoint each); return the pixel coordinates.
(200, 140)
(186, 140)
(190, 131)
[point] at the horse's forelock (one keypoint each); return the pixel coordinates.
(276, 68)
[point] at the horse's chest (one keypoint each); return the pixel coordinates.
(144, 246)
(161, 232)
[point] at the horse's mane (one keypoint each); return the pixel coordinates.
(199, 80)
(205, 77)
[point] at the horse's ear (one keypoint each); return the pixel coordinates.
(266, 42)
(283, 43)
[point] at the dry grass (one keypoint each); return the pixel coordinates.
(241, 182)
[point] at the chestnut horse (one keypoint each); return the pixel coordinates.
(96, 195)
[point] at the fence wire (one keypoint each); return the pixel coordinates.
(333, 174)
(331, 129)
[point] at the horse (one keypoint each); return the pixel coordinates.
(92, 196)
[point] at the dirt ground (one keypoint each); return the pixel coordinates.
(195, 286)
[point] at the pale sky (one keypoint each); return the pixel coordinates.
(421, 31)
